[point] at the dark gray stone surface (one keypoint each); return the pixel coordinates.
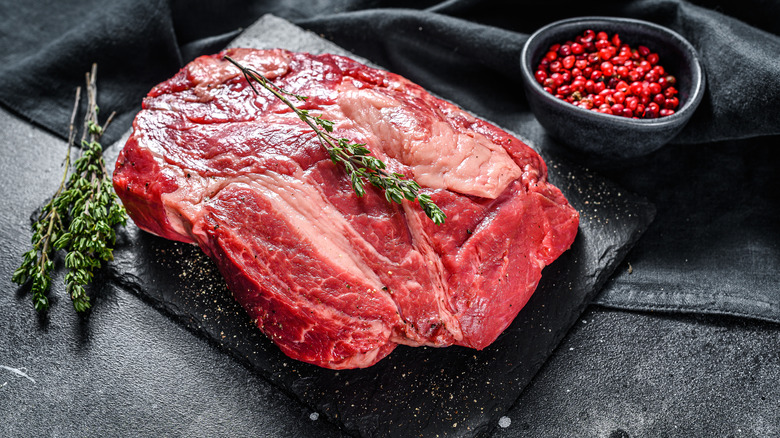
(128, 369)
(621, 374)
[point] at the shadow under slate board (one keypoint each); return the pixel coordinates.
(413, 392)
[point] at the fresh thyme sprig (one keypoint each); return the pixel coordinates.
(354, 157)
(79, 219)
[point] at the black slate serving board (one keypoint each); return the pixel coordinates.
(422, 392)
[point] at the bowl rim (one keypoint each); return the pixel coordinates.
(697, 81)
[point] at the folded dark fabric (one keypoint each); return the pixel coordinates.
(715, 245)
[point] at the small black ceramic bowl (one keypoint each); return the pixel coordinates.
(604, 135)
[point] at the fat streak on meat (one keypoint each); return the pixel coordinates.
(335, 279)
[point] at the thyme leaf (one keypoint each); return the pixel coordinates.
(355, 158)
(80, 217)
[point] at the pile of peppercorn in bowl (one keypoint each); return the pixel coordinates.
(611, 87)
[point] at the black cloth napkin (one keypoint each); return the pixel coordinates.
(715, 244)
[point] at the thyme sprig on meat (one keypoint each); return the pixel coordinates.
(356, 158)
(80, 217)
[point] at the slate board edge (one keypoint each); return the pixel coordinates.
(618, 257)
(603, 277)
(193, 326)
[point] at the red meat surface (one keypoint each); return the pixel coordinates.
(335, 279)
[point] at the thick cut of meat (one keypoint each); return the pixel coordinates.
(334, 279)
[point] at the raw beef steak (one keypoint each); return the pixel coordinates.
(335, 279)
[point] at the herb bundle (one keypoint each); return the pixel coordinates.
(80, 217)
(354, 157)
